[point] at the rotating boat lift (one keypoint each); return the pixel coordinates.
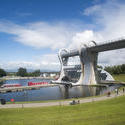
(88, 59)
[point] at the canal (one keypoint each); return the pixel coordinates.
(53, 93)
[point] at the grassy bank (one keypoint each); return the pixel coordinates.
(120, 77)
(109, 112)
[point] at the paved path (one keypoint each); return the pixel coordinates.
(85, 100)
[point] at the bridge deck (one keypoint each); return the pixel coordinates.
(116, 44)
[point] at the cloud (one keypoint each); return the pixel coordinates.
(85, 37)
(115, 57)
(90, 10)
(108, 18)
(40, 34)
(44, 62)
(108, 21)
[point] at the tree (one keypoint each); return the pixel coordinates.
(109, 69)
(123, 68)
(36, 73)
(22, 72)
(2, 72)
(100, 67)
(119, 69)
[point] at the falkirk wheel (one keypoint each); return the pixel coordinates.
(87, 72)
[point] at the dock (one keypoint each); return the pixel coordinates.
(106, 82)
(23, 88)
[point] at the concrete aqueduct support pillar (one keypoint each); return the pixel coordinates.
(63, 62)
(89, 60)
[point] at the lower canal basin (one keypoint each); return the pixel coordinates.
(53, 93)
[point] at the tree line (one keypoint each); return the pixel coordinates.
(2, 72)
(118, 69)
(21, 72)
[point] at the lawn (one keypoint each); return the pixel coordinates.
(120, 77)
(109, 112)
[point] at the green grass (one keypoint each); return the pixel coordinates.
(120, 77)
(109, 112)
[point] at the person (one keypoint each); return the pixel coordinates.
(123, 90)
(12, 100)
(3, 101)
(116, 90)
(78, 101)
(108, 94)
(73, 102)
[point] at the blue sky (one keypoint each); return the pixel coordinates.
(24, 11)
(33, 31)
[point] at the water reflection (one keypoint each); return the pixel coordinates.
(81, 91)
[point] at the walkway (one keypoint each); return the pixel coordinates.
(85, 100)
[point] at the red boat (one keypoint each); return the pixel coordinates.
(11, 85)
(36, 83)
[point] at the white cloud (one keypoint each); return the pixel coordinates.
(47, 62)
(40, 34)
(85, 37)
(90, 10)
(108, 18)
(109, 21)
(115, 57)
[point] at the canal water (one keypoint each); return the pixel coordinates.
(52, 93)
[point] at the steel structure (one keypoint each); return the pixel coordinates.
(88, 58)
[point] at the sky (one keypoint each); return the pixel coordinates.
(33, 31)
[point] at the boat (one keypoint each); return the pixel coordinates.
(11, 85)
(36, 83)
